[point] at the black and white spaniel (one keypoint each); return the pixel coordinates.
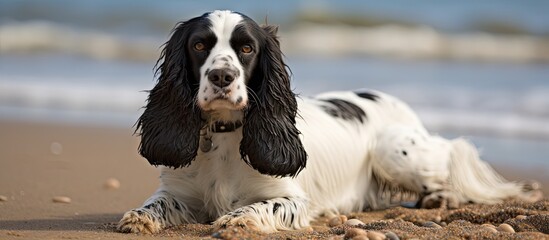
(239, 149)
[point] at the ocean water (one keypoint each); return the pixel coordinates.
(474, 69)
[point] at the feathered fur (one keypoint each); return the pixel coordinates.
(278, 151)
(170, 125)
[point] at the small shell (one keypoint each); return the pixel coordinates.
(391, 236)
(61, 199)
(489, 225)
(353, 232)
(112, 183)
(431, 225)
(373, 235)
(336, 221)
(3, 198)
(353, 222)
(56, 148)
(504, 227)
(216, 235)
(490, 229)
(520, 217)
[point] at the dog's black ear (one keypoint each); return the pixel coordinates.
(271, 142)
(271, 30)
(170, 125)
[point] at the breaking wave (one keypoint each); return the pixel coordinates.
(41, 36)
(398, 41)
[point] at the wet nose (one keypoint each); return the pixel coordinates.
(221, 77)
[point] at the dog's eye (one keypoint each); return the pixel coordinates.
(246, 49)
(199, 47)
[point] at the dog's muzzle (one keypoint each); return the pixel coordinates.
(222, 77)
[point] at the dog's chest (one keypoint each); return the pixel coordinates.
(220, 172)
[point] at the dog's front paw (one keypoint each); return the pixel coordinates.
(232, 220)
(139, 221)
(440, 199)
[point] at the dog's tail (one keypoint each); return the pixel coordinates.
(474, 180)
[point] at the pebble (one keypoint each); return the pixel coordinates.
(438, 219)
(61, 199)
(391, 236)
(3, 198)
(216, 235)
(431, 224)
(504, 227)
(336, 221)
(56, 148)
(353, 222)
(489, 225)
(373, 235)
(444, 224)
(112, 183)
(520, 217)
(307, 229)
(361, 237)
(353, 232)
(491, 229)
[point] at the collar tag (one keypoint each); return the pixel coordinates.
(206, 143)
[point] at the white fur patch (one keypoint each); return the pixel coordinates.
(222, 55)
(413, 158)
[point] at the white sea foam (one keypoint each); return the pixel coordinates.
(63, 96)
(415, 42)
(113, 102)
(42, 36)
(384, 40)
(467, 122)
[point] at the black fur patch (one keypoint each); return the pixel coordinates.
(292, 218)
(271, 113)
(368, 95)
(176, 205)
(343, 109)
(275, 207)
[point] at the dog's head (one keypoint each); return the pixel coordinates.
(223, 62)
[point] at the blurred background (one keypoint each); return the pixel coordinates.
(474, 68)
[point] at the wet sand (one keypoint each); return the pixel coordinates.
(39, 161)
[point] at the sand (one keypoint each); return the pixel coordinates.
(41, 161)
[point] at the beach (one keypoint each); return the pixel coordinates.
(72, 85)
(40, 161)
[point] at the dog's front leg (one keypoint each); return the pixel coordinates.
(161, 210)
(285, 213)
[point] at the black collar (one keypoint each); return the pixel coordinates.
(223, 127)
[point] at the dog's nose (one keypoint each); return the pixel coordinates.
(221, 77)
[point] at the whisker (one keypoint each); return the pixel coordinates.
(253, 95)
